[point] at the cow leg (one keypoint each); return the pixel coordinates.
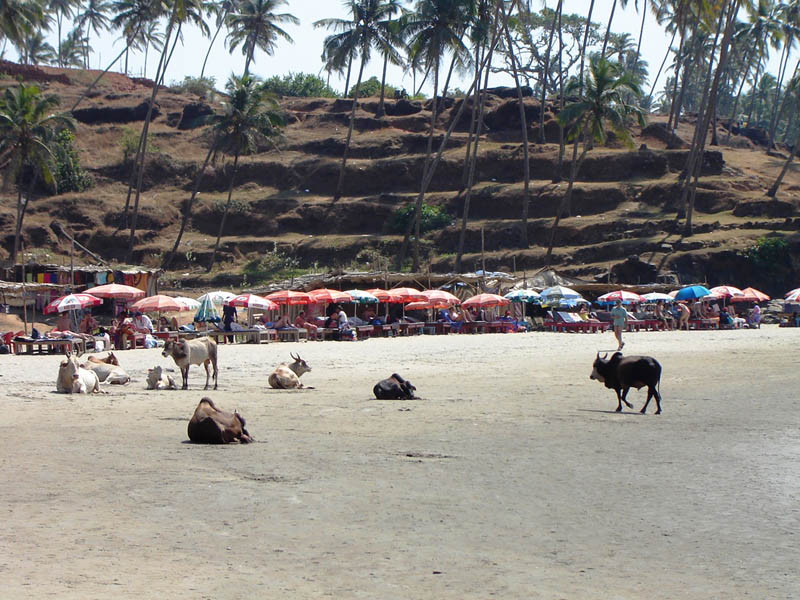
(649, 395)
(657, 396)
(624, 395)
(216, 371)
(185, 376)
(208, 374)
(619, 400)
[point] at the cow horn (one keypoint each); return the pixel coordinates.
(292, 354)
(605, 355)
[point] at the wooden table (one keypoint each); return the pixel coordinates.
(439, 327)
(50, 346)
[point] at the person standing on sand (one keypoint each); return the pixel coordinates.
(620, 316)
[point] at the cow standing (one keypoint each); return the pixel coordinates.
(185, 353)
(621, 373)
(394, 388)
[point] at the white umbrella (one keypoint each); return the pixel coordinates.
(217, 297)
(656, 296)
(189, 303)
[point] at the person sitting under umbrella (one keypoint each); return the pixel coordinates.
(301, 323)
(142, 323)
(88, 324)
(283, 322)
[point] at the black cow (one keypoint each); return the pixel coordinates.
(621, 373)
(394, 388)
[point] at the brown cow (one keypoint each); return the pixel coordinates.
(210, 425)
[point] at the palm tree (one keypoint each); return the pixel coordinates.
(793, 89)
(788, 14)
(256, 25)
(19, 18)
(435, 28)
(27, 128)
(72, 49)
(94, 16)
(624, 4)
(601, 104)
(220, 10)
(251, 116)
(370, 27)
(63, 9)
(34, 50)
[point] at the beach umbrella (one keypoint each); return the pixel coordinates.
(524, 295)
(656, 296)
(71, 302)
(559, 291)
(189, 303)
(726, 291)
(117, 291)
(217, 297)
(408, 294)
(207, 313)
(329, 296)
(422, 306)
(625, 296)
(362, 297)
(251, 301)
(442, 298)
(158, 303)
(693, 292)
(792, 293)
(385, 295)
(290, 297)
(751, 295)
(485, 301)
(567, 302)
(793, 297)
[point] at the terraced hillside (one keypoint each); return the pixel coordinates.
(624, 204)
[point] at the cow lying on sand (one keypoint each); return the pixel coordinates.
(621, 373)
(202, 351)
(287, 376)
(107, 369)
(210, 425)
(394, 388)
(158, 380)
(72, 379)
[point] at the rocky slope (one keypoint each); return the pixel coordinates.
(624, 204)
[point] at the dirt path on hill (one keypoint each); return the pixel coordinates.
(512, 478)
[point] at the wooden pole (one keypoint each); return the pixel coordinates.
(24, 300)
(483, 262)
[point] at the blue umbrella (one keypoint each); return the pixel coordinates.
(524, 296)
(693, 291)
(207, 313)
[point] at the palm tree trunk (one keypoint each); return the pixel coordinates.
(562, 147)
(187, 211)
(340, 184)
(421, 83)
(472, 119)
(142, 153)
(585, 40)
(250, 54)
(753, 91)
(641, 34)
(126, 61)
(381, 110)
(418, 208)
(775, 102)
(608, 28)
(577, 161)
(21, 208)
(160, 80)
(211, 45)
(347, 79)
(58, 20)
(774, 189)
(777, 114)
(225, 213)
(546, 73)
(736, 101)
(661, 68)
(526, 165)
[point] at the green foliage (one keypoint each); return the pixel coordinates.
(300, 85)
(69, 175)
(769, 253)
(371, 88)
(129, 144)
(272, 265)
(236, 207)
(199, 86)
(431, 217)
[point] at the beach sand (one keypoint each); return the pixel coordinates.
(511, 478)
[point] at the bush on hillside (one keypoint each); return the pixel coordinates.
(431, 217)
(199, 86)
(68, 173)
(371, 87)
(129, 144)
(300, 85)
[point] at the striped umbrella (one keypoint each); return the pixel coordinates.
(386, 295)
(485, 301)
(362, 297)
(217, 297)
(441, 298)
(158, 303)
(408, 294)
(189, 303)
(524, 295)
(252, 301)
(329, 296)
(726, 291)
(625, 296)
(71, 302)
(751, 295)
(290, 297)
(117, 291)
(422, 306)
(207, 313)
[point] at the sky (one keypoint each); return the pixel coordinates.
(304, 54)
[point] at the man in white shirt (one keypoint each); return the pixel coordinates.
(142, 323)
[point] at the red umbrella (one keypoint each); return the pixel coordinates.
(408, 294)
(71, 302)
(485, 301)
(158, 303)
(751, 295)
(290, 297)
(252, 301)
(727, 291)
(420, 306)
(329, 296)
(441, 297)
(118, 291)
(622, 295)
(385, 295)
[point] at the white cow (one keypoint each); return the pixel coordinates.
(72, 379)
(158, 380)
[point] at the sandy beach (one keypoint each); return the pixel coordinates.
(511, 478)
